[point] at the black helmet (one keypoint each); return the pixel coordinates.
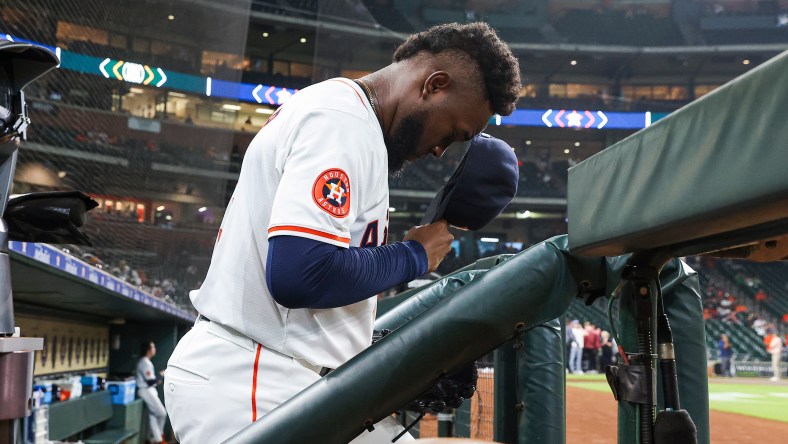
(20, 64)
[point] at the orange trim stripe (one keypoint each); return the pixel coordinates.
(254, 384)
(354, 90)
(309, 231)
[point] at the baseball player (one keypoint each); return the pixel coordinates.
(146, 390)
(302, 252)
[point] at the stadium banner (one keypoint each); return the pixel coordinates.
(273, 95)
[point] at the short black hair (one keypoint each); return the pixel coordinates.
(499, 68)
(144, 347)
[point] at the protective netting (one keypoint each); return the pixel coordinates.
(141, 114)
(482, 405)
(348, 34)
(129, 117)
(106, 123)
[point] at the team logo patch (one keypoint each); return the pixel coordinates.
(331, 192)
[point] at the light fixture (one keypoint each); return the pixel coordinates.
(527, 142)
(265, 34)
(524, 215)
(303, 39)
(231, 107)
(136, 90)
(745, 62)
(160, 208)
(174, 94)
(264, 111)
(168, 217)
(489, 239)
(61, 174)
(202, 209)
(573, 62)
(171, 17)
(577, 143)
(392, 209)
(566, 151)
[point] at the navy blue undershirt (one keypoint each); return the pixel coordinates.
(305, 273)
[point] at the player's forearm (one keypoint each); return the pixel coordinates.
(303, 273)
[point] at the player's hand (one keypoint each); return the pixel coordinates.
(436, 240)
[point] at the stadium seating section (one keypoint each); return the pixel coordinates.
(616, 28)
(538, 178)
(737, 281)
(750, 277)
(596, 313)
(737, 37)
(747, 345)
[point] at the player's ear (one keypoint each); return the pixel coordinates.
(436, 82)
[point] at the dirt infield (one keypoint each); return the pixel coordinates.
(591, 419)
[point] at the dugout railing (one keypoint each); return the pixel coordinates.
(527, 403)
(462, 317)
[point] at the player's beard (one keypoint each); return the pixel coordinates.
(403, 143)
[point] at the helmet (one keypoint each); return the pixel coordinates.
(20, 64)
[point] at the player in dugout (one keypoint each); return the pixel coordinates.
(301, 252)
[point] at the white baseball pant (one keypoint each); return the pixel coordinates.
(219, 381)
(157, 415)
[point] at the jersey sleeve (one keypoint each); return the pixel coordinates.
(149, 371)
(317, 195)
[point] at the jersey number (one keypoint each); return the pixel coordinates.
(370, 238)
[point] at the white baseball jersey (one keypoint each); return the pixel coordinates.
(145, 372)
(318, 169)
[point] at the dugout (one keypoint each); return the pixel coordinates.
(92, 323)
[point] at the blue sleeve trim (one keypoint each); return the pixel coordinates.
(305, 273)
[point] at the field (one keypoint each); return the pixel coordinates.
(743, 410)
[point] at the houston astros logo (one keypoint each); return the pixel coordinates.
(331, 192)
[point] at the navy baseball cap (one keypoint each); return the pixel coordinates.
(480, 188)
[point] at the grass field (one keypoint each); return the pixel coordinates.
(751, 397)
